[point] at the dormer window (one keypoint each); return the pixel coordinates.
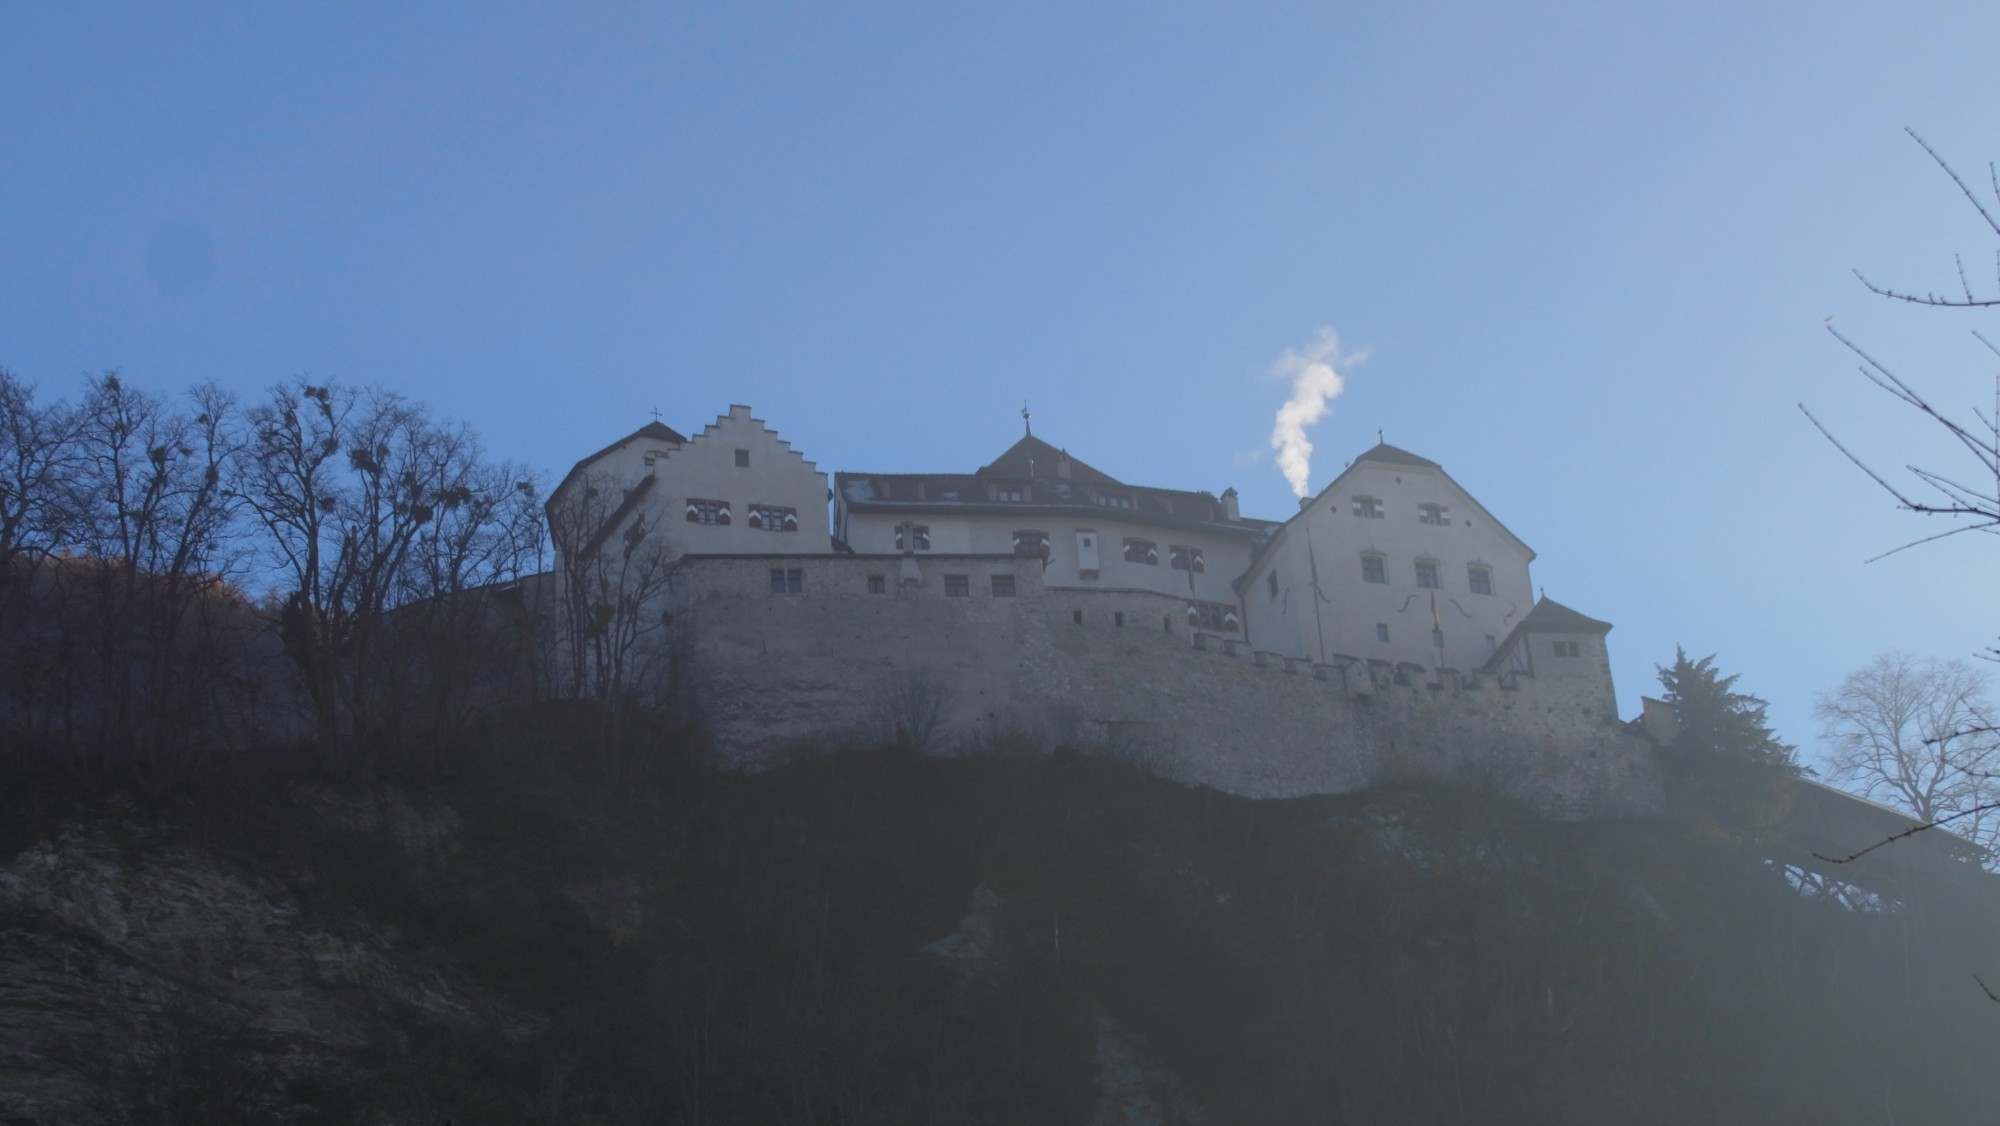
(1433, 514)
(1369, 508)
(1010, 494)
(1114, 500)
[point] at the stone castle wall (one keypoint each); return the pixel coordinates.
(775, 673)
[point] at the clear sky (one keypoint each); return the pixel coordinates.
(1588, 249)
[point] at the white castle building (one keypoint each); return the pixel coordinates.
(1038, 586)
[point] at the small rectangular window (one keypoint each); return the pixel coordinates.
(1479, 579)
(1010, 493)
(743, 459)
(1142, 551)
(1271, 583)
(957, 586)
(1427, 576)
(1568, 649)
(787, 580)
(920, 537)
(1003, 586)
(773, 518)
(1118, 617)
(1076, 616)
(1381, 631)
(1368, 508)
(1372, 569)
(878, 584)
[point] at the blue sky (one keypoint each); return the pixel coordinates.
(1587, 248)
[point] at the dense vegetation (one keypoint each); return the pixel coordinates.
(871, 937)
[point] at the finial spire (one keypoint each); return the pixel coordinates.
(1379, 439)
(1027, 420)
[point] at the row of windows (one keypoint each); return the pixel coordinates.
(1035, 542)
(765, 517)
(1375, 569)
(955, 586)
(1437, 638)
(1370, 508)
(1180, 556)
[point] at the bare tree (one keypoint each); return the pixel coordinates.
(614, 574)
(1915, 733)
(367, 505)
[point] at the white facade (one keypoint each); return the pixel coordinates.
(1392, 561)
(736, 488)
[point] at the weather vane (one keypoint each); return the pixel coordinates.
(1027, 420)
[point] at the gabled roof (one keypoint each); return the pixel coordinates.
(1033, 459)
(655, 430)
(1550, 616)
(1383, 451)
(1547, 616)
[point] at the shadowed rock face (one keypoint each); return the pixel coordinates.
(129, 967)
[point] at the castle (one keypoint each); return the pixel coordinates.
(1385, 629)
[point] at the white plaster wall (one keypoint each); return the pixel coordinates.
(706, 468)
(1354, 607)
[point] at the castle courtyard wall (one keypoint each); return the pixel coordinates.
(772, 674)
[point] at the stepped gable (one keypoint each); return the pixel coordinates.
(738, 412)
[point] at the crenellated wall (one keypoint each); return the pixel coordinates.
(770, 673)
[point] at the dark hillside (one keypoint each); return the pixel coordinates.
(1005, 938)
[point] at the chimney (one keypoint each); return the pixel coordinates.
(1062, 466)
(1229, 510)
(1305, 503)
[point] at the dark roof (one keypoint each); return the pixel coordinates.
(656, 430)
(1033, 459)
(1550, 616)
(1385, 452)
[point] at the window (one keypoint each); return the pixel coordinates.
(1118, 618)
(773, 518)
(957, 586)
(878, 584)
(1479, 579)
(1076, 616)
(1184, 557)
(1142, 551)
(707, 511)
(1011, 493)
(920, 535)
(1433, 514)
(1381, 631)
(1271, 583)
(787, 580)
(1427, 574)
(1212, 616)
(742, 459)
(1033, 543)
(1003, 586)
(1368, 508)
(1114, 500)
(1373, 569)
(1568, 649)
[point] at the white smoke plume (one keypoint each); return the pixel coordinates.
(1314, 383)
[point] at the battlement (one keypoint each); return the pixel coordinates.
(780, 652)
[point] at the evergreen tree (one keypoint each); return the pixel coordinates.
(1716, 719)
(1726, 769)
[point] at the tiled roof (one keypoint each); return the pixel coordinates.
(1386, 452)
(1033, 459)
(1551, 616)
